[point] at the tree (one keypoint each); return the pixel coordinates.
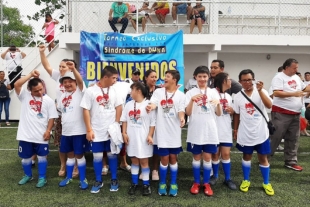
(15, 32)
(50, 7)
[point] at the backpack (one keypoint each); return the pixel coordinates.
(4, 92)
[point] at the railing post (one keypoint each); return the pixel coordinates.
(214, 17)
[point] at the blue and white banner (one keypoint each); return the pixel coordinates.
(160, 52)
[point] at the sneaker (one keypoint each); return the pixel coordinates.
(268, 189)
(174, 21)
(83, 184)
(195, 188)
(132, 189)
(280, 148)
(213, 180)
(146, 190)
(155, 176)
(41, 182)
(173, 190)
(114, 185)
(294, 167)
(65, 182)
(96, 187)
(207, 189)
(244, 187)
(25, 180)
(162, 189)
(230, 184)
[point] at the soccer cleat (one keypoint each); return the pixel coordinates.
(207, 190)
(155, 176)
(268, 189)
(213, 180)
(244, 187)
(96, 187)
(83, 184)
(230, 184)
(41, 182)
(195, 188)
(173, 190)
(65, 182)
(25, 180)
(146, 190)
(294, 167)
(132, 189)
(114, 185)
(162, 189)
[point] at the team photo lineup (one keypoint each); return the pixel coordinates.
(139, 120)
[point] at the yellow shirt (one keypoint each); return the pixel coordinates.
(161, 3)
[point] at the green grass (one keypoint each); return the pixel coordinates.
(291, 188)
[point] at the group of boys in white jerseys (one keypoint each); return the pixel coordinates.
(149, 127)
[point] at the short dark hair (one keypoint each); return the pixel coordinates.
(139, 86)
(108, 71)
(298, 73)
(66, 60)
(219, 79)
(289, 62)
(280, 69)
(246, 71)
(33, 82)
(175, 74)
(147, 74)
(221, 63)
(306, 73)
(202, 69)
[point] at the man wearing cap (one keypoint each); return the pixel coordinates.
(73, 135)
(135, 76)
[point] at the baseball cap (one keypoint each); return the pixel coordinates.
(136, 71)
(68, 74)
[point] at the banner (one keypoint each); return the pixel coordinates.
(160, 52)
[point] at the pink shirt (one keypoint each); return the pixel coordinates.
(49, 30)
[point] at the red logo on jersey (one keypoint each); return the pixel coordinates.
(35, 105)
(202, 101)
(103, 100)
(135, 115)
(224, 103)
(249, 108)
(292, 84)
(66, 101)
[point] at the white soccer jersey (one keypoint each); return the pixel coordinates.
(60, 89)
(138, 127)
(286, 83)
(253, 128)
(224, 129)
(13, 59)
(34, 116)
(122, 89)
(202, 122)
(102, 109)
(72, 114)
(168, 130)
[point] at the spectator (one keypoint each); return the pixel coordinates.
(4, 97)
(142, 19)
(198, 17)
(181, 8)
(299, 75)
(285, 113)
(49, 26)
(120, 12)
(307, 82)
(135, 76)
(13, 57)
(191, 83)
(161, 9)
(217, 66)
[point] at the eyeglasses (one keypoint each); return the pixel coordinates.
(247, 81)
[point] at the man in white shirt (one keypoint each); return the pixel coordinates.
(288, 91)
(170, 104)
(250, 128)
(37, 116)
(307, 82)
(13, 57)
(102, 107)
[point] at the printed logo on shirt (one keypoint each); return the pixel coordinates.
(224, 104)
(66, 101)
(103, 100)
(202, 102)
(166, 105)
(134, 116)
(35, 105)
(250, 109)
(292, 84)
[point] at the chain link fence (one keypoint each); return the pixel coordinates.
(255, 17)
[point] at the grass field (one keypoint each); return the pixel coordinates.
(291, 188)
